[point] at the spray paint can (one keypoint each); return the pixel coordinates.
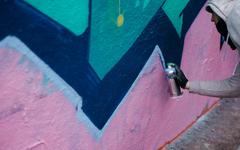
(174, 87)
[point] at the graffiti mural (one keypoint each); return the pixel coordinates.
(94, 62)
(98, 63)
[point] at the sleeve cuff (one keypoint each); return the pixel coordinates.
(194, 86)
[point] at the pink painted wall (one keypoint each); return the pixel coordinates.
(37, 108)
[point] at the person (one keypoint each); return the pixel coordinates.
(226, 16)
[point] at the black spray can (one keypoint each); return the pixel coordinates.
(174, 87)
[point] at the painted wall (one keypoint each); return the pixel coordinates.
(83, 74)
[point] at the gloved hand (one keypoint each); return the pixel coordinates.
(180, 78)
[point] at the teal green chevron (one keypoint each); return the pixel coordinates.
(145, 4)
(173, 9)
(111, 39)
(72, 14)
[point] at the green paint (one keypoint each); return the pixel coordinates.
(173, 9)
(46, 83)
(72, 14)
(45, 80)
(145, 3)
(22, 60)
(137, 3)
(109, 42)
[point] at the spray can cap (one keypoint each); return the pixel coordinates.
(171, 65)
(170, 70)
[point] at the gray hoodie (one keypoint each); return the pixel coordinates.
(233, 24)
(229, 11)
(221, 7)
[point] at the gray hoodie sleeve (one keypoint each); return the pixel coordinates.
(229, 87)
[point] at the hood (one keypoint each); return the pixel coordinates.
(221, 7)
(233, 24)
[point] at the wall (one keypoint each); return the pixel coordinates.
(82, 74)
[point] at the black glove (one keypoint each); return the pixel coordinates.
(180, 77)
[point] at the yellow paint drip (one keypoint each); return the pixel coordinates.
(120, 20)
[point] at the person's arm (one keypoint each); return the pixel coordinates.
(229, 87)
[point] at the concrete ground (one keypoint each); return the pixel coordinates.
(219, 129)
